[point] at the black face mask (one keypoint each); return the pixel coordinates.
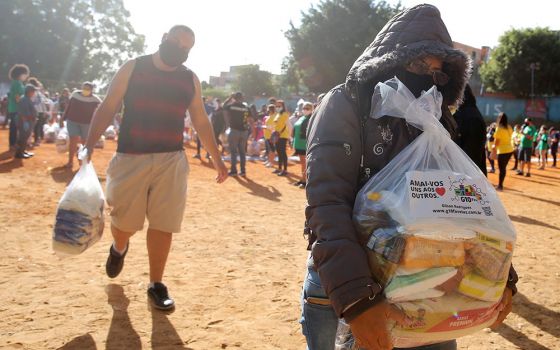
(416, 83)
(171, 54)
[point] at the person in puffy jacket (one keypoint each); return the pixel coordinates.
(344, 149)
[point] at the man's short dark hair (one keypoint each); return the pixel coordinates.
(88, 84)
(17, 70)
(29, 88)
(182, 28)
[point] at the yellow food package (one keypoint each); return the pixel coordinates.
(424, 253)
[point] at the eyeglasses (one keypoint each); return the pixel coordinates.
(440, 78)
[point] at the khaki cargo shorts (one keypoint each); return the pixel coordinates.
(147, 185)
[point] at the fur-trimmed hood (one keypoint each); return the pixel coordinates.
(414, 32)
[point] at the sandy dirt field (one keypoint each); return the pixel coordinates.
(235, 270)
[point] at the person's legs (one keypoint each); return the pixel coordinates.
(23, 133)
(528, 160)
(158, 243)
(318, 319)
(72, 148)
(282, 154)
(554, 152)
(233, 149)
(516, 157)
(120, 239)
(13, 129)
(242, 152)
(503, 160)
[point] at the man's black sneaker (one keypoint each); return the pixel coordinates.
(115, 262)
(232, 173)
(160, 298)
(196, 156)
(243, 174)
(29, 154)
(528, 175)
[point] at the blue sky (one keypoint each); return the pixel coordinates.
(252, 31)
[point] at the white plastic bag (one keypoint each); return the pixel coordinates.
(432, 212)
(62, 141)
(79, 217)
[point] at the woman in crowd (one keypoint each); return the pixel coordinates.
(515, 142)
(18, 74)
(502, 147)
(300, 140)
(281, 134)
(490, 145)
(542, 147)
(268, 129)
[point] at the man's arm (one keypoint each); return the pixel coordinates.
(205, 132)
(104, 114)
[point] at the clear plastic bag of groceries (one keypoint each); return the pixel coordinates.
(436, 234)
(79, 216)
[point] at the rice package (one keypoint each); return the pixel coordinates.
(79, 217)
(436, 235)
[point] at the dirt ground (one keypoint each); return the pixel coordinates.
(235, 270)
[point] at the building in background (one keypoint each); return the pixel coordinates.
(478, 57)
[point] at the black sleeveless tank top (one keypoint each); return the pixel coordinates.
(155, 105)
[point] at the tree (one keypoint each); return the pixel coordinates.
(67, 41)
(252, 81)
(332, 36)
(508, 69)
(291, 76)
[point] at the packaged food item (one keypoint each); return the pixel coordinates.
(436, 235)
(421, 252)
(79, 219)
(423, 283)
(478, 287)
(440, 319)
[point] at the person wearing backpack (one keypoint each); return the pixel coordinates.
(344, 149)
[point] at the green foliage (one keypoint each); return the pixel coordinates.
(291, 75)
(67, 41)
(332, 36)
(508, 69)
(253, 82)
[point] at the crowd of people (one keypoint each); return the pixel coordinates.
(271, 133)
(29, 110)
(523, 142)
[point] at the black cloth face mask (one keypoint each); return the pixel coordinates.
(171, 54)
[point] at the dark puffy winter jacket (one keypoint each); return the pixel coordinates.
(338, 160)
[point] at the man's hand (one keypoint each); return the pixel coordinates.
(221, 169)
(504, 308)
(370, 328)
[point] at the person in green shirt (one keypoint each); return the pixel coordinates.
(528, 131)
(542, 147)
(300, 140)
(17, 74)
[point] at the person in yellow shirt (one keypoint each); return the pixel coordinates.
(515, 142)
(281, 135)
(268, 129)
(503, 147)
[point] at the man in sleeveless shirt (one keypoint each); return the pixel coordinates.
(147, 177)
